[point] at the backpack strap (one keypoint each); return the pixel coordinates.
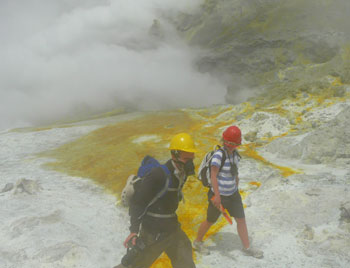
(162, 191)
(223, 158)
(238, 155)
(162, 216)
(234, 168)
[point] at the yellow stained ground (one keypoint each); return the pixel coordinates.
(110, 154)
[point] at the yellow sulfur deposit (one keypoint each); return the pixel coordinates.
(110, 154)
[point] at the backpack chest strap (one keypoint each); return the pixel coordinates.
(173, 189)
(161, 193)
(163, 216)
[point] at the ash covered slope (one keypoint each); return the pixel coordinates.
(283, 46)
(51, 219)
(300, 216)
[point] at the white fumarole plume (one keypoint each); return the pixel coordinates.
(62, 58)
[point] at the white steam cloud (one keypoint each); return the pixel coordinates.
(62, 57)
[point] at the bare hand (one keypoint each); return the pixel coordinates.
(216, 199)
(131, 237)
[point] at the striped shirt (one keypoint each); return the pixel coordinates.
(226, 180)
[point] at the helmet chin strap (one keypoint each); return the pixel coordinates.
(185, 168)
(180, 165)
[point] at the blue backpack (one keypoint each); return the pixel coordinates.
(147, 165)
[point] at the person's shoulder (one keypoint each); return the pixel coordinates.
(217, 158)
(169, 165)
(218, 153)
(158, 173)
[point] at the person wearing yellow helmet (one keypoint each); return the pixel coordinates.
(155, 228)
(182, 151)
(183, 142)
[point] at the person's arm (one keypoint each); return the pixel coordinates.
(132, 237)
(215, 165)
(236, 159)
(214, 182)
(143, 195)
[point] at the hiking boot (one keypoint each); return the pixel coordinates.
(253, 252)
(200, 248)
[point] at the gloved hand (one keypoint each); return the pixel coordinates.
(131, 238)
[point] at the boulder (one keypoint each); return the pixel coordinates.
(8, 187)
(27, 186)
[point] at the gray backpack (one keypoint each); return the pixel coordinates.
(204, 168)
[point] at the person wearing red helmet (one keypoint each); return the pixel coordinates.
(224, 192)
(232, 137)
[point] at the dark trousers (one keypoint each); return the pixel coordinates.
(176, 245)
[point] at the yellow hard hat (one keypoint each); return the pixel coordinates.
(182, 142)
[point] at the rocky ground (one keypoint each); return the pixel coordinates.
(302, 219)
(286, 67)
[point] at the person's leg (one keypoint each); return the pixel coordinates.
(203, 229)
(242, 231)
(243, 235)
(212, 215)
(180, 251)
(235, 208)
(145, 258)
(148, 256)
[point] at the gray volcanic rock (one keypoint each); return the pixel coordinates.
(345, 212)
(27, 186)
(279, 45)
(8, 187)
(326, 144)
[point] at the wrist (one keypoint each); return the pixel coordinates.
(134, 229)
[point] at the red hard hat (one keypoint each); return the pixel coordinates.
(232, 135)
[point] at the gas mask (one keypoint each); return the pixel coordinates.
(187, 168)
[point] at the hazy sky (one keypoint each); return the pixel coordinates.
(64, 57)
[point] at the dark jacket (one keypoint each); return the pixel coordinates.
(167, 204)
